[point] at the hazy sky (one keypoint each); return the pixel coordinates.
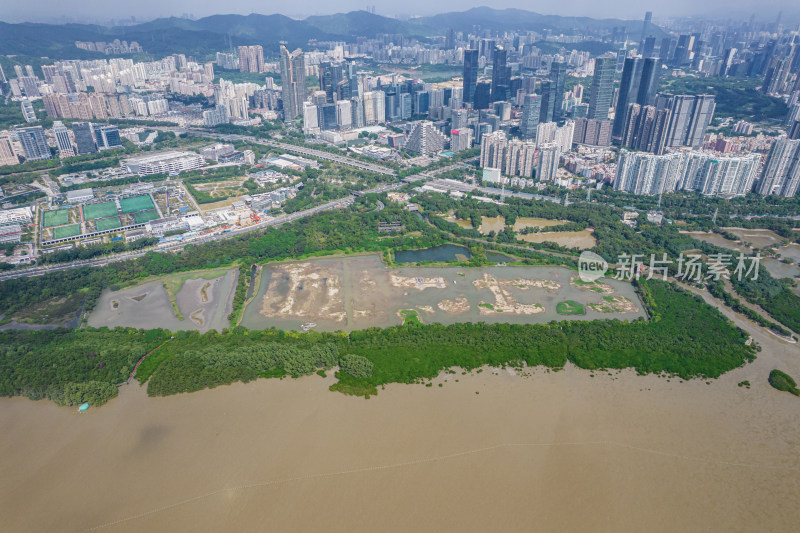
(102, 10)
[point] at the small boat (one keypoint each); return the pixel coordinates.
(83, 407)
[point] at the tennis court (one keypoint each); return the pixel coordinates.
(145, 216)
(56, 218)
(93, 211)
(136, 203)
(103, 224)
(67, 231)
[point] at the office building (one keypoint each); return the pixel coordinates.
(34, 143)
(501, 75)
(648, 81)
(628, 89)
(781, 172)
(470, 74)
(293, 82)
(602, 90)
(531, 109)
(61, 133)
(310, 119)
(107, 137)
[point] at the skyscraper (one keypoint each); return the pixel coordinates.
(34, 143)
(293, 82)
(501, 75)
(690, 115)
(531, 108)
(547, 88)
(648, 82)
(602, 87)
(558, 75)
(470, 74)
(628, 88)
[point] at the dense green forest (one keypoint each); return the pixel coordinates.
(73, 366)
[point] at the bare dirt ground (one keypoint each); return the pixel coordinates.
(614, 304)
(303, 290)
(456, 306)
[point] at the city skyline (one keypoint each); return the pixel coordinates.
(146, 10)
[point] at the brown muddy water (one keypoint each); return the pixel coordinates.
(358, 292)
(495, 451)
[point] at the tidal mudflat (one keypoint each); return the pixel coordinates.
(201, 302)
(350, 293)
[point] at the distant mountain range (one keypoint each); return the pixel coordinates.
(205, 35)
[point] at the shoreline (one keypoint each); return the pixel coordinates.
(269, 448)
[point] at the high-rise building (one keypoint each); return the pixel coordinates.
(493, 147)
(482, 97)
(470, 74)
(501, 75)
(643, 173)
(592, 132)
(531, 108)
(460, 140)
(602, 87)
(293, 82)
(27, 111)
(549, 155)
(61, 133)
(344, 114)
(713, 174)
(84, 137)
(425, 139)
(251, 58)
(34, 143)
(689, 118)
(781, 173)
(648, 81)
(628, 88)
(310, 119)
(558, 75)
(646, 128)
(519, 159)
(330, 76)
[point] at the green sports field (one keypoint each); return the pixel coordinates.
(93, 211)
(62, 232)
(145, 216)
(136, 203)
(103, 224)
(56, 218)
